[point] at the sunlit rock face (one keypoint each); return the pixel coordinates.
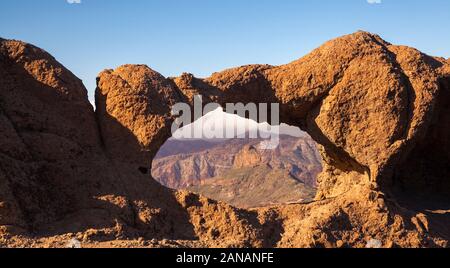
(367, 102)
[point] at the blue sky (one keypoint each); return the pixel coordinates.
(203, 36)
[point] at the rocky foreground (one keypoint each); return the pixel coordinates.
(379, 111)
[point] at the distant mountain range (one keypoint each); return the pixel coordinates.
(239, 171)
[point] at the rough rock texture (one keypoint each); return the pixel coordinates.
(380, 113)
(376, 110)
(133, 103)
(61, 177)
(48, 135)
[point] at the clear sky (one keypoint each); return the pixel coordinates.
(203, 36)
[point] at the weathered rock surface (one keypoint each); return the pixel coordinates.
(133, 111)
(380, 113)
(63, 173)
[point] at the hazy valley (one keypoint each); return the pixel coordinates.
(239, 171)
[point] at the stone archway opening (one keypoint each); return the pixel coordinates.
(240, 169)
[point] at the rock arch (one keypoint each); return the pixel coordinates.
(367, 102)
(379, 112)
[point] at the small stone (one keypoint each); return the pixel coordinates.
(374, 243)
(73, 243)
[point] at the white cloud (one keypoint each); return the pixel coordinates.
(374, 2)
(74, 1)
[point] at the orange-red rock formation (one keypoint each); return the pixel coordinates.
(380, 113)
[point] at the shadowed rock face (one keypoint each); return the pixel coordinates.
(67, 172)
(48, 132)
(379, 112)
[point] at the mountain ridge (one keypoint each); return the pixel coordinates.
(208, 171)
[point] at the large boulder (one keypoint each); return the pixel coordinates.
(66, 172)
(134, 112)
(48, 135)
